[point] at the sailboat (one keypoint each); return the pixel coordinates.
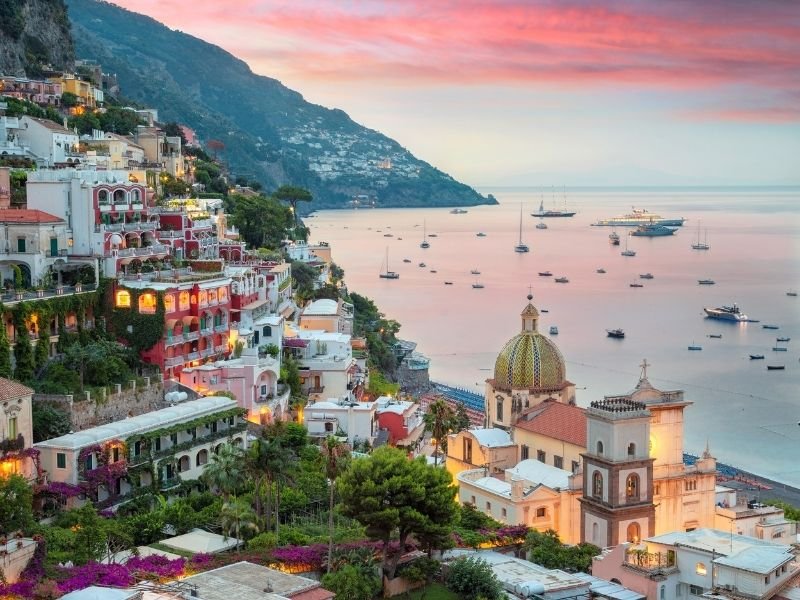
(555, 212)
(520, 247)
(424, 243)
(698, 245)
(386, 273)
(627, 252)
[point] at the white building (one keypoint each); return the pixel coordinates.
(36, 242)
(48, 142)
(16, 429)
(358, 421)
(752, 518)
(110, 461)
(330, 315)
(327, 366)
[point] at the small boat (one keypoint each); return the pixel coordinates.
(433, 235)
(545, 274)
(770, 326)
(646, 276)
(653, 230)
(627, 252)
(399, 238)
(388, 235)
(561, 280)
(791, 293)
(458, 211)
(615, 333)
(386, 273)
(422, 265)
(424, 243)
(600, 270)
(477, 286)
(448, 283)
(480, 234)
(756, 357)
(475, 272)
(694, 346)
(541, 225)
(544, 310)
(613, 238)
(636, 284)
(783, 339)
(716, 336)
(779, 349)
(776, 367)
(705, 282)
(521, 247)
(434, 271)
(406, 260)
(553, 330)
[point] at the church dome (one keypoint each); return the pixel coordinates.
(529, 360)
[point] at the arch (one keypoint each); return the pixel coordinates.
(202, 458)
(595, 532)
(634, 533)
(615, 580)
(184, 464)
(631, 449)
(217, 448)
(136, 195)
(183, 300)
(599, 448)
(123, 299)
(147, 303)
(169, 303)
(632, 487)
(120, 197)
(237, 442)
(102, 197)
(597, 484)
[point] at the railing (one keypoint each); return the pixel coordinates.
(222, 348)
(174, 361)
(190, 336)
(220, 328)
(642, 559)
(167, 484)
(207, 352)
(148, 251)
(316, 390)
(10, 297)
(189, 444)
(193, 356)
(206, 331)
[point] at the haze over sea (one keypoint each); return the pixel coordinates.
(749, 416)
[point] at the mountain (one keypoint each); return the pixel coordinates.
(34, 34)
(270, 132)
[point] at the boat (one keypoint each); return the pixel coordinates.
(705, 282)
(477, 286)
(639, 216)
(434, 271)
(422, 265)
(433, 235)
(600, 270)
(615, 333)
(756, 357)
(770, 327)
(388, 235)
(561, 280)
(448, 283)
(542, 213)
(386, 273)
(424, 243)
(646, 276)
(613, 238)
(406, 260)
(475, 272)
(776, 367)
(458, 211)
(652, 230)
(627, 252)
(698, 245)
(726, 313)
(791, 293)
(694, 346)
(521, 247)
(544, 310)
(716, 336)
(480, 234)
(553, 330)
(779, 349)
(545, 274)
(636, 284)
(541, 225)
(782, 339)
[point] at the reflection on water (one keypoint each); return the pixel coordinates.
(749, 415)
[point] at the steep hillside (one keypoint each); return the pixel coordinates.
(34, 34)
(270, 132)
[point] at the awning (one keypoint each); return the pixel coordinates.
(412, 437)
(255, 304)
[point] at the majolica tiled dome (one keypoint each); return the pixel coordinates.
(529, 359)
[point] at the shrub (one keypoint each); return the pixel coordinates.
(263, 541)
(473, 578)
(352, 583)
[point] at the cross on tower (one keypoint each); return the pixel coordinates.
(644, 366)
(530, 292)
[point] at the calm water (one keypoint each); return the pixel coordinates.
(748, 415)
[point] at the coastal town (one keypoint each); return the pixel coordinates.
(197, 406)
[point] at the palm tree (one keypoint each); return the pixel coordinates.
(236, 516)
(439, 421)
(335, 453)
(293, 195)
(224, 472)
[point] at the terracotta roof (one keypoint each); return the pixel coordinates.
(53, 126)
(319, 593)
(13, 389)
(25, 215)
(557, 421)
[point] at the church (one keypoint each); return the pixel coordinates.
(625, 479)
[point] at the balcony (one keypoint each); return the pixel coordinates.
(189, 336)
(174, 361)
(221, 328)
(207, 352)
(148, 251)
(137, 206)
(204, 331)
(316, 390)
(642, 560)
(106, 208)
(221, 348)
(168, 484)
(193, 356)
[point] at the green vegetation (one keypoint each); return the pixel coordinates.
(113, 119)
(790, 512)
(292, 194)
(379, 332)
(473, 579)
(262, 221)
(434, 591)
(16, 504)
(49, 422)
(547, 550)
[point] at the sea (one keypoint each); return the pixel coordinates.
(749, 416)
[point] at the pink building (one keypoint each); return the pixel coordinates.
(40, 92)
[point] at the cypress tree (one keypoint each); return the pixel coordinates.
(5, 348)
(23, 352)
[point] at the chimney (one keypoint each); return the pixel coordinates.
(5, 187)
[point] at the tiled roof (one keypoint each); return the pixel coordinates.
(53, 126)
(25, 215)
(13, 389)
(557, 421)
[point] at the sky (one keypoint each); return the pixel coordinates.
(537, 92)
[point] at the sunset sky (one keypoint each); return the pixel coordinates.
(523, 92)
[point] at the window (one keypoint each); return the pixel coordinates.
(503, 512)
(169, 303)
(115, 454)
(467, 450)
(700, 568)
(88, 463)
(137, 448)
(202, 457)
(678, 590)
(558, 462)
(328, 426)
(158, 444)
(633, 533)
(136, 195)
(695, 590)
(102, 197)
(123, 299)
(575, 466)
(541, 456)
(632, 487)
(61, 460)
(173, 438)
(541, 512)
(12, 428)
(631, 449)
(488, 506)
(213, 427)
(267, 331)
(690, 485)
(119, 197)
(21, 244)
(597, 484)
(499, 415)
(766, 579)
(183, 301)
(525, 452)
(596, 533)
(599, 448)
(663, 593)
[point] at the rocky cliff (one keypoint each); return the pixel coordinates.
(34, 34)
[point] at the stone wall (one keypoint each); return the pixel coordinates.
(413, 381)
(115, 404)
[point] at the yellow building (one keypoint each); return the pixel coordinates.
(490, 449)
(552, 433)
(84, 90)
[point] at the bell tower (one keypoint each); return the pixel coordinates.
(617, 501)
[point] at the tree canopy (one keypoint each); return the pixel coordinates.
(262, 221)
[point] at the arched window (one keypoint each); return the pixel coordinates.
(599, 448)
(119, 197)
(631, 449)
(499, 414)
(147, 303)
(267, 331)
(184, 464)
(183, 301)
(202, 458)
(632, 487)
(123, 299)
(222, 294)
(597, 484)
(700, 568)
(136, 195)
(169, 303)
(634, 533)
(102, 197)
(203, 297)
(595, 533)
